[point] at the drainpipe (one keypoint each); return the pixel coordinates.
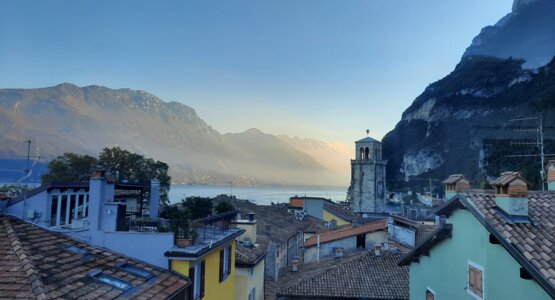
(318, 247)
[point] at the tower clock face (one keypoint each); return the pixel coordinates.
(380, 190)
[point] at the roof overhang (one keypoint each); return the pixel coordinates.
(459, 201)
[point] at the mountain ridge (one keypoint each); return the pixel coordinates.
(69, 118)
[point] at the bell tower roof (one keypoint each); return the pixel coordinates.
(367, 140)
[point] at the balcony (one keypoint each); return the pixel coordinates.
(199, 236)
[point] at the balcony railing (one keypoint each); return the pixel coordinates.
(201, 230)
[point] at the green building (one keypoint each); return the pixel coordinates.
(493, 245)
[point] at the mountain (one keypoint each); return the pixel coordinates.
(528, 32)
(68, 118)
(462, 123)
(333, 156)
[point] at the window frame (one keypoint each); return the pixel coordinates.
(428, 289)
(198, 277)
(225, 262)
(468, 289)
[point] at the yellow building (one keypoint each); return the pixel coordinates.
(209, 261)
(249, 261)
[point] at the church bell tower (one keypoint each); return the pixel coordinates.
(367, 190)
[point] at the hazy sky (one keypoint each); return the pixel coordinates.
(311, 68)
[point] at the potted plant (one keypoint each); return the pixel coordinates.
(184, 234)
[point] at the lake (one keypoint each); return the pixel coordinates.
(256, 194)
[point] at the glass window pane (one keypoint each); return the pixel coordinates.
(64, 211)
(80, 206)
(53, 210)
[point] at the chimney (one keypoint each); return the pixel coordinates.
(454, 184)
(338, 251)
(551, 175)
(511, 195)
(101, 191)
(154, 200)
(378, 250)
(295, 265)
(250, 227)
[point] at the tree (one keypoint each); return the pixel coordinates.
(69, 167)
(223, 206)
(199, 207)
(126, 166)
(132, 167)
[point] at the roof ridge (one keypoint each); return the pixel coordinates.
(326, 270)
(32, 273)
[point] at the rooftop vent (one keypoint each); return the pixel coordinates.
(295, 265)
(511, 198)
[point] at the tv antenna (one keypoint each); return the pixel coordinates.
(538, 142)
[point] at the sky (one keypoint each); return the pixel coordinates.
(324, 69)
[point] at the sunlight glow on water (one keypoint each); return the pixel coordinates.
(256, 194)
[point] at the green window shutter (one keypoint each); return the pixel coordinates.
(202, 275)
(192, 288)
(229, 260)
(221, 265)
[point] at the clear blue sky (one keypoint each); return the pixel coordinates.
(327, 69)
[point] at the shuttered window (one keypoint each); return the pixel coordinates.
(202, 276)
(197, 273)
(475, 280)
(225, 262)
(430, 295)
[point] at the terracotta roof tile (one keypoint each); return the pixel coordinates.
(346, 232)
(46, 270)
(362, 276)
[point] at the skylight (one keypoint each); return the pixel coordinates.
(111, 280)
(135, 271)
(77, 250)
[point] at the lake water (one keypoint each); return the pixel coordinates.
(256, 194)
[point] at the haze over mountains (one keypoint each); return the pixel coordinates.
(460, 124)
(68, 118)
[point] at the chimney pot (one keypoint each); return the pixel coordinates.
(378, 250)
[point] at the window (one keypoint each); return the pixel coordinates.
(225, 262)
(135, 271)
(361, 241)
(475, 280)
(430, 295)
(252, 294)
(66, 208)
(196, 273)
(110, 280)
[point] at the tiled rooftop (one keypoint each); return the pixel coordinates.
(536, 240)
(361, 276)
(36, 263)
(345, 232)
(251, 254)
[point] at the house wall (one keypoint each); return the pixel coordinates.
(328, 216)
(445, 269)
(314, 207)
(270, 261)
(147, 246)
(213, 288)
(402, 235)
(327, 250)
(38, 202)
(248, 278)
